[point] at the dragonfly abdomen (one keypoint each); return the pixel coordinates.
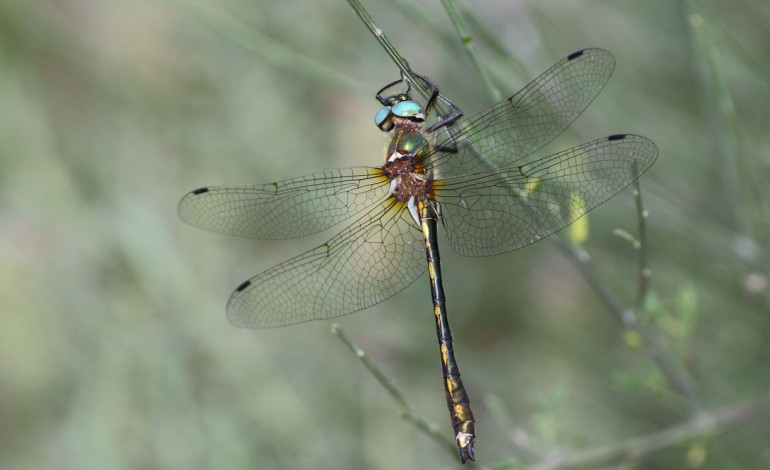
(457, 399)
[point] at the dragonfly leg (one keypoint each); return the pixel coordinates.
(380, 96)
(444, 120)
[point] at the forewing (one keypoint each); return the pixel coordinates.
(285, 209)
(494, 212)
(523, 123)
(372, 259)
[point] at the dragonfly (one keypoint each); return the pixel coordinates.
(475, 177)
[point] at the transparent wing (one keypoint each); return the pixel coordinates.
(285, 209)
(372, 259)
(518, 126)
(493, 212)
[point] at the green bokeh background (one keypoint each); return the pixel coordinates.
(114, 348)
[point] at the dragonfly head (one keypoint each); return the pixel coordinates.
(398, 107)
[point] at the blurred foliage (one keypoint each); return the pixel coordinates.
(114, 348)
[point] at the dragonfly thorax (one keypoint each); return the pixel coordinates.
(405, 167)
(408, 141)
(406, 155)
(407, 181)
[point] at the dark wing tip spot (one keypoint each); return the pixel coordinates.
(200, 191)
(575, 55)
(243, 286)
(617, 137)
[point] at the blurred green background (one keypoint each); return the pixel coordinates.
(114, 348)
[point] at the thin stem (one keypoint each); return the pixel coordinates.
(677, 378)
(425, 21)
(744, 194)
(271, 50)
(644, 271)
(407, 413)
(466, 39)
(701, 425)
(391, 50)
(750, 213)
(760, 71)
(504, 64)
(489, 37)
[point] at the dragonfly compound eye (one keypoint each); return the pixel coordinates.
(384, 119)
(410, 110)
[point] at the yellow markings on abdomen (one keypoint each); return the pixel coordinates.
(444, 354)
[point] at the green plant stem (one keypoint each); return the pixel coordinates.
(750, 213)
(759, 71)
(388, 46)
(676, 377)
(678, 380)
(269, 49)
(425, 20)
(393, 53)
(745, 194)
(407, 413)
(467, 41)
(644, 271)
(701, 425)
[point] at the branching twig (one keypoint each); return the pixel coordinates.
(263, 46)
(407, 413)
(467, 41)
(677, 378)
(702, 425)
(391, 50)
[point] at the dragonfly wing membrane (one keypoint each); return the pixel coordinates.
(499, 211)
(286, 209)
(374, 258)
(525, 122)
